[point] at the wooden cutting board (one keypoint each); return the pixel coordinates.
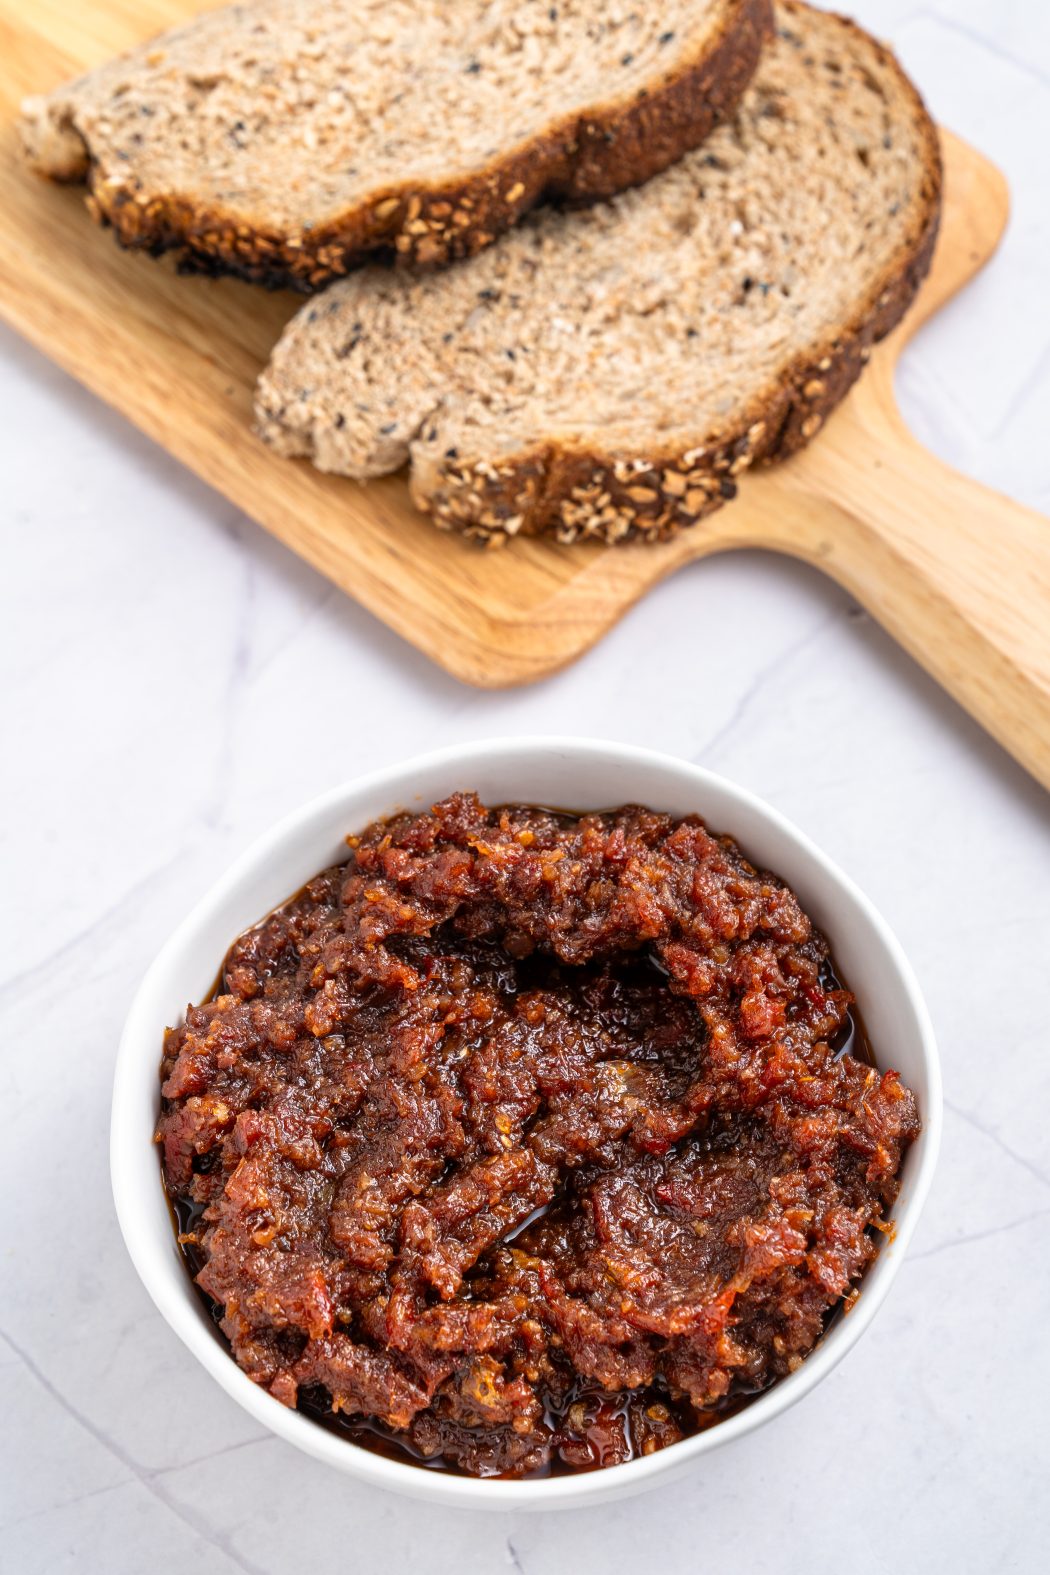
(959, 575)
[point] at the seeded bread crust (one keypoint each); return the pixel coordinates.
(489, 483)
(575, 494)
(578, 158)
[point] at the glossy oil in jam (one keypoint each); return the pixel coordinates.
(371, 1434)
(573, 1452)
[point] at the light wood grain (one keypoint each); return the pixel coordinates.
(960, 575)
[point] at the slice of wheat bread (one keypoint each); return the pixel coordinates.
(608, 373)
(283, 140)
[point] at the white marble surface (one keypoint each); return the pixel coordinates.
(174, 681)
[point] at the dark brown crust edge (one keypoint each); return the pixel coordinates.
(573, 494)
(579, 159)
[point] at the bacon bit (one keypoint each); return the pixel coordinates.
(285, 1389)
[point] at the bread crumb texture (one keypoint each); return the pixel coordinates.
(609, 373)
(285, 140)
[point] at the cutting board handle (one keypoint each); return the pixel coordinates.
(957, 573)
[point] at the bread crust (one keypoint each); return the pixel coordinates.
(574, 493)
(578, 159)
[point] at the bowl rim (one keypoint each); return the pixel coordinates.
(178, 1304)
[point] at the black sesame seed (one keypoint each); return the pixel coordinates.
(665, 38)
(351, 344)
(452, 453)
(446, 339)
(340, 420)
(626, 60)
(692, 333)
(386, 429)
(473, 67)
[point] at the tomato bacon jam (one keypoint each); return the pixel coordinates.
(525, 1142)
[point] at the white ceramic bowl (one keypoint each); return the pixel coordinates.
(576, 774)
